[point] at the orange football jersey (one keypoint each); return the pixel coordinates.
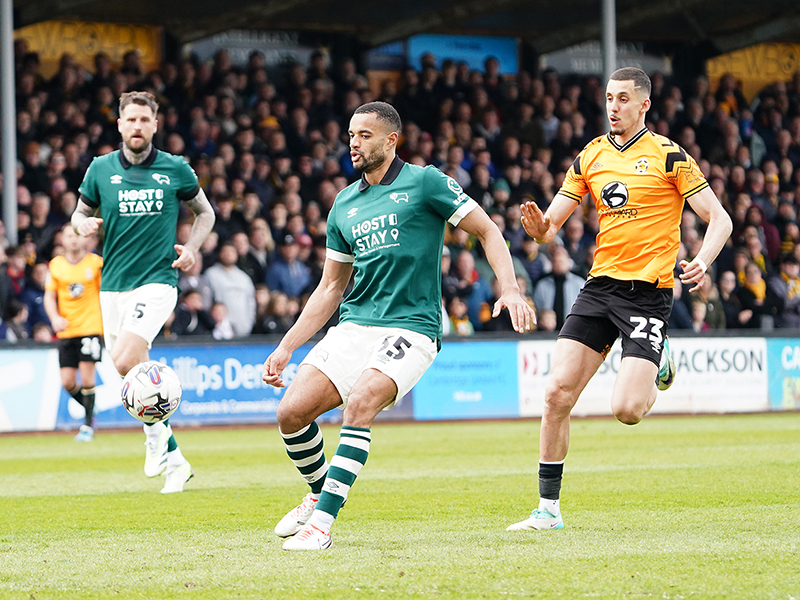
(639, 190)
(77, 288)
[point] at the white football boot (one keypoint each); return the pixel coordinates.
(177, 478)
(156, 458)
(309, 538)
(296, 518)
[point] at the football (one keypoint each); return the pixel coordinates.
(151, 391)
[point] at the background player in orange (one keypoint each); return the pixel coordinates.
(639, 181)
(72, 301)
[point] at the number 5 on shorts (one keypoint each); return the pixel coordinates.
(138, 311)
(396, 351)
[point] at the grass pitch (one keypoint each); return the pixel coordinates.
(694, 507)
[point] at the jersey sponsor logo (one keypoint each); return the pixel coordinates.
(352, 212)
(398, 196)
(371, 234)
(140, 202)
(75, 289)
(614, 195)
(641, 166)
(116, 179)
(461, 198)
(162, 179)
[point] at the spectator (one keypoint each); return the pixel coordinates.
(473, 289)
(33, 296)
(15, 319)
(278, 317)
(194, 279)
(558, 289)
(459, 319)
(13, 281)
(223, 328)
(233, 288)
(680, 317)
(762, 301)
(730, 302)
(786, 285)
(190, 317)
(288, 274)
(708, 295)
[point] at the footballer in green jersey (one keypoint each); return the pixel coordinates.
(388, 229)
(137, 190)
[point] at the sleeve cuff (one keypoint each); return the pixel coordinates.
(462, 211)
(339, 256)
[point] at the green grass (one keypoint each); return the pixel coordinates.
(700, 507)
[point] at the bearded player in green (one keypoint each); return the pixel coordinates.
(138, 190)
(388, 229)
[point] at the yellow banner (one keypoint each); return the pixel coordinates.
(756, 67)
(83, 40)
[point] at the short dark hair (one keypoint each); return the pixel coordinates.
(140, 98)
(386, 113)
(641, 82)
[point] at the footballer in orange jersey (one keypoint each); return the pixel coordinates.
(639, 181)
(72, 301)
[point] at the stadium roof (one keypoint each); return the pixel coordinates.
(719, 25)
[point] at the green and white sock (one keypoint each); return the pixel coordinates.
(345, 466)
(305, 448)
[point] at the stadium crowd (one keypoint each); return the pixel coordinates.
(270, 148)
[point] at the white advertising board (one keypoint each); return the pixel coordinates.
(714, 375)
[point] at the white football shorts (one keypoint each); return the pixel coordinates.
(348, 349)
(142, 311)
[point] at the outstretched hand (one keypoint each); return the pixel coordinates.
(523, 317)
(534, 221)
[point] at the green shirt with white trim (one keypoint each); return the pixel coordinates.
(139, 205)
(393, 233)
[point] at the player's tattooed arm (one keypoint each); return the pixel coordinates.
(83, 220)
(203, 224)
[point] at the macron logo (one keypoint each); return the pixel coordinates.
(352, 212)
(162, 179)
(117, 179)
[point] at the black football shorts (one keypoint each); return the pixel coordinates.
(606, 307)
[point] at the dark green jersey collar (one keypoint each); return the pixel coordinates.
(388, 179)
(126, 164)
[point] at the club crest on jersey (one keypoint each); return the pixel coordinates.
(614, 195)
(75, 289)
(162, 179)
(116, 179)
(398, 196)
(641, 166)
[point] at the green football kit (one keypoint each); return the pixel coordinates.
(139, 205)
(393, 233)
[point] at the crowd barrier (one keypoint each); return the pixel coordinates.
(472, 378)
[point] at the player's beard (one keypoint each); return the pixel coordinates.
(370, 161)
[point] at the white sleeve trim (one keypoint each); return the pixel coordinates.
(462, 211)
(339, 256)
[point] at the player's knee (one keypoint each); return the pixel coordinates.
(559, 397)
(123, 364)
(69, 382)
(289, 420)
(628, 415)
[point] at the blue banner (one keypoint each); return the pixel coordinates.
(470, 380)
(783, 371)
